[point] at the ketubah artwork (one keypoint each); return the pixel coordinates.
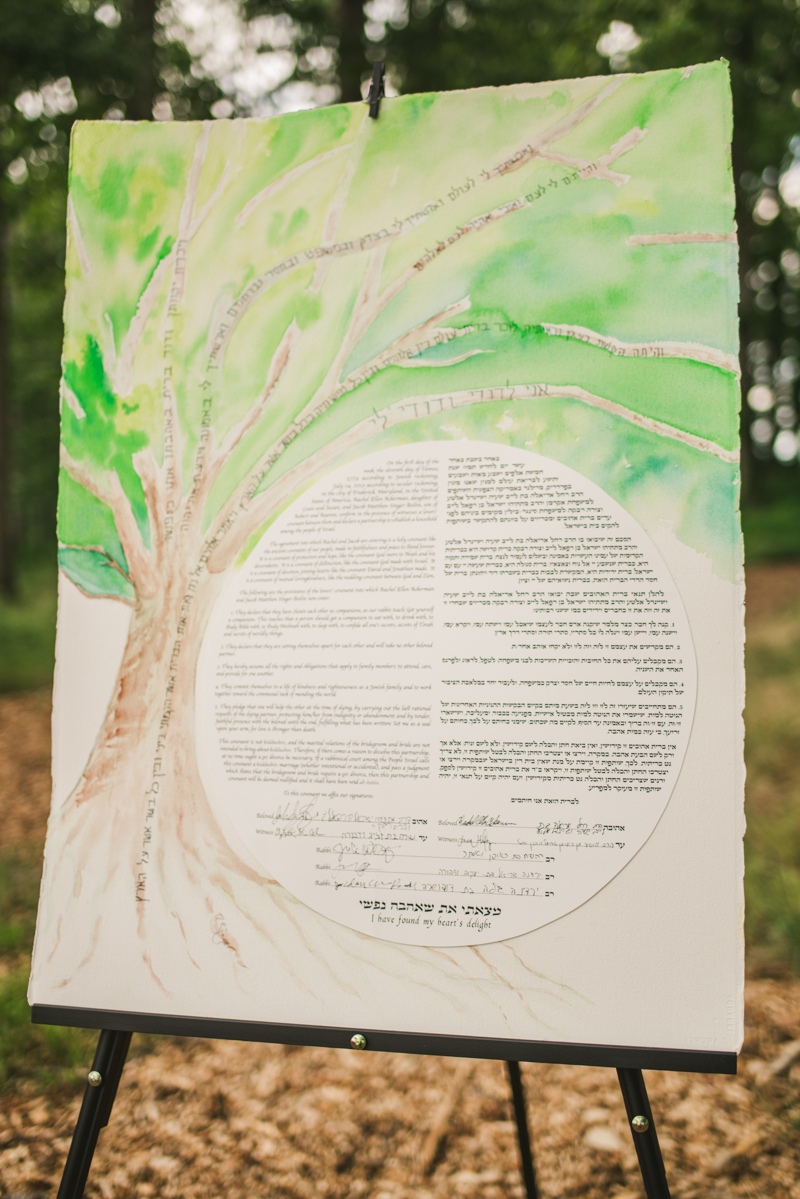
(252, 304)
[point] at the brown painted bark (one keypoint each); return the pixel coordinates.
(138, 829)
(98, 829)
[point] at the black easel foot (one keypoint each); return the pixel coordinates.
(643, 1131)
(523, 1135)
(98, 1099)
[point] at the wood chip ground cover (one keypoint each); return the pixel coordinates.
(212, 1118)
(209, 1118)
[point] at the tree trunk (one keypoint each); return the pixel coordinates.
(96, 837)
(352, 58)
(8, 524)
(148, 904)
(143, 18)
(137, 837)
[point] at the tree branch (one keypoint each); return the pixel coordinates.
(120, 599)
(279, 363)
(317, 406)
(371, 302)
(421, 406)
(220, 337)
(99, 549)
(692, 350)
(111, 563)
(405, 348)
(337, 205)
(365, 310)
(152, 482)
(270, 190)
(174, 260)
(142, 576)
(76, 236)
(600, 169)
(173, 448)
(79, 474)
(327, 250)
(561, 128)
(123, 372)
(213, 461)
(200, 219)
(223, 547)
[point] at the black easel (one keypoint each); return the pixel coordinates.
(98, 1099)
(112, 1049)
(523, 1135)
(643, 1129)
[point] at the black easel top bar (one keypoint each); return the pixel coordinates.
(695, 1061)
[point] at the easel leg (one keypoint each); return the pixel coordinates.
(643, 1131)
(109, 1058)
(523, 1135)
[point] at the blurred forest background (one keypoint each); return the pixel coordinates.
(62, 60)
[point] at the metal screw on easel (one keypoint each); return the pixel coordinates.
(94, 1078)
(358, 1041)
(640, 1124)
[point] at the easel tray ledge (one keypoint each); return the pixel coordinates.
(695, 1061)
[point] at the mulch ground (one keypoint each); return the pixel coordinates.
(24, 767)
(211, 1118)
(215, 1118)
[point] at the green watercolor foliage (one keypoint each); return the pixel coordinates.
(528, 236)
(100, 423)
(94, 572)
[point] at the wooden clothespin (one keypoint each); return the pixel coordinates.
(377, 89)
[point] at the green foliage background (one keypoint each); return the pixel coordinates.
(123, 69)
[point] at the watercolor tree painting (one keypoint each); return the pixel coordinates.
(250, 302)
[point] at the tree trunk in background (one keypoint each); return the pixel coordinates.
(8, 524)
(143, 17)
(352, 59)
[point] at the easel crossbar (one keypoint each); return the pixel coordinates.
(693, 1061)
